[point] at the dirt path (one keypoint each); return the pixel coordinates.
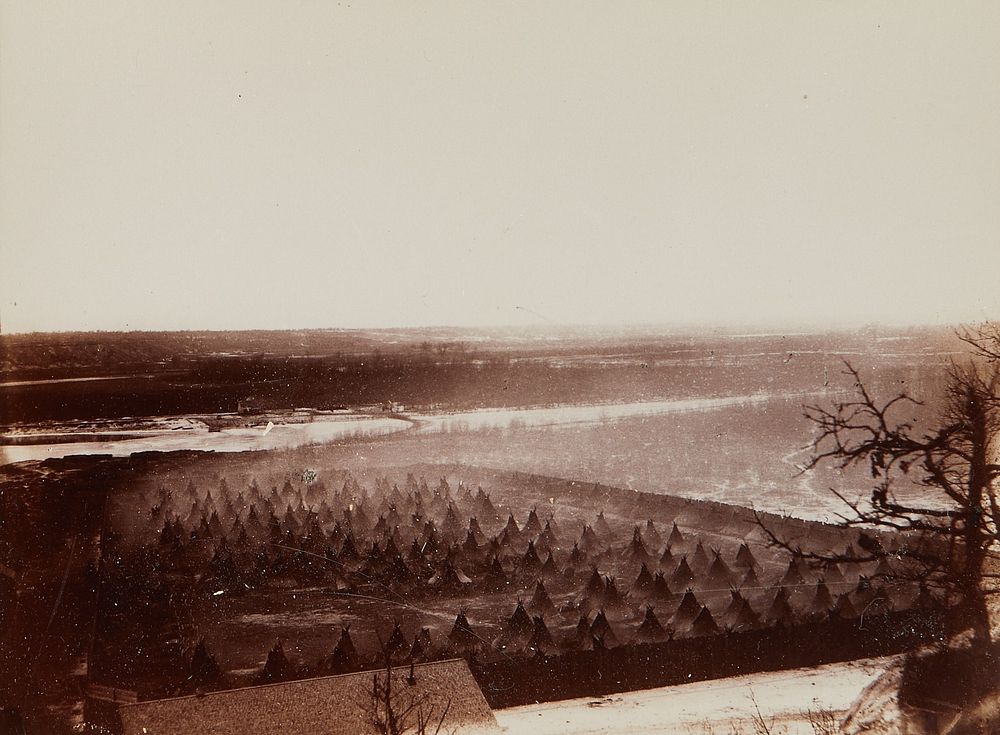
(721, 707)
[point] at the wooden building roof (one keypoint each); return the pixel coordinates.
(329, 705)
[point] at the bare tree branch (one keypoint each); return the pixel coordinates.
(956, 521)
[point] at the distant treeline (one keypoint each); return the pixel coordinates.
(183, 373)
(49, 355)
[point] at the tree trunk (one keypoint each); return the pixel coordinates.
(975, 549)
(976, 612)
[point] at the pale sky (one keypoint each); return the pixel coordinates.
(320, 164)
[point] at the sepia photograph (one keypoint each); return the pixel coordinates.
(499, 368)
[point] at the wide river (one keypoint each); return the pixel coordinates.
(331, 429)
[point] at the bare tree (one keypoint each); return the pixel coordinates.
(397, 708)
(983, 339)
(823, 722)
(937, 484)
(761, 724)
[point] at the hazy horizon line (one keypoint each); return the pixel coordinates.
(764, 328)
